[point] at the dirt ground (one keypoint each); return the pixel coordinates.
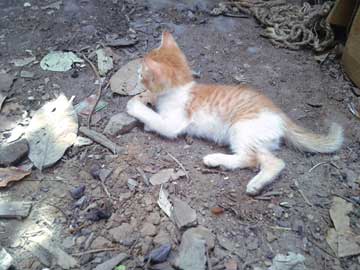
(222, 50)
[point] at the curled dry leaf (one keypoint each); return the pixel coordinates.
(11, 174)
(217, 210)
(51, 131)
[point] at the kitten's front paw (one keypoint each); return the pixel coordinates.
(133, 107)
(253, 189)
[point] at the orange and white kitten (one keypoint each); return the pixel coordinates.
(237, 116)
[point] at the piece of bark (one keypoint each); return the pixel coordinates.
(14, 209)
(101, 139)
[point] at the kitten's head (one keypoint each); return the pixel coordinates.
(165, 67)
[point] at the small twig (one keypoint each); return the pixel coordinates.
(101, 139)
(98, 92)
(345, 198)
(280, 228)
(321, 248)
(143, 176)
(107, 191)
(302, 193)
(262, 198)
(181, 166)
(248, 263)
(317, 165)
(208, 258)
(94, 251)
(58, 208)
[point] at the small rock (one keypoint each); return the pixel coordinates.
(77, 192)
(122, 233)
(120, 123)
(100, 242)
(231, 264)
(82, 202)
(163, 237)
(191, 254)
(89, 240)
(154, 218)
(183, 214)
(11, 154)
(68, 242)
(252, 242)
(96, 214)
(26, 74)
(6, 259)
(270, 237)
(201, 233)
(161, 177)
(148, 229)
(159, 254)
(104, 174)
(6, 81)
(146, 245)
(112, 263)
(132, 184)
(125, 196)
(285, 204)
(278, 212)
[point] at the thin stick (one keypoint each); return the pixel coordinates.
(94, 251)
(248, 263)
(98, 92)
(208, 258)
(143, 176)
(317, 165)
(107, 191)
(181, 166)
(58, 208)
(302, 194)
(321, 248)
(101, 139)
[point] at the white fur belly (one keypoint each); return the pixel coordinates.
(207, 126)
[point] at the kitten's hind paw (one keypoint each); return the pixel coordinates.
(147, 128)
(252, 190)
(211, 160)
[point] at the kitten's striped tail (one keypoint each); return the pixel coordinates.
(305, 140)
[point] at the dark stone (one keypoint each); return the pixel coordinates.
(13, 153)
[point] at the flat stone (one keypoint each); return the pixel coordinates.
(120, 123)
(161, 177)
(201, 233)
(68, 242)
(270, 237)
(6, 259)
(191, 254)
(163, 237)
(154, 218)
(148, 229)
(100, 242)
(11, 154)
(122, 233)
(26, 74)
(113, 262)
(183, 214)
(6, 80)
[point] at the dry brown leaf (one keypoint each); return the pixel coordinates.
(11, 174)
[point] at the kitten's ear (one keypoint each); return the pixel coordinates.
(167, 40)
(153, 66)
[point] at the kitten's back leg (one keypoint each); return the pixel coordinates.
(231, 162)
(270, 168)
